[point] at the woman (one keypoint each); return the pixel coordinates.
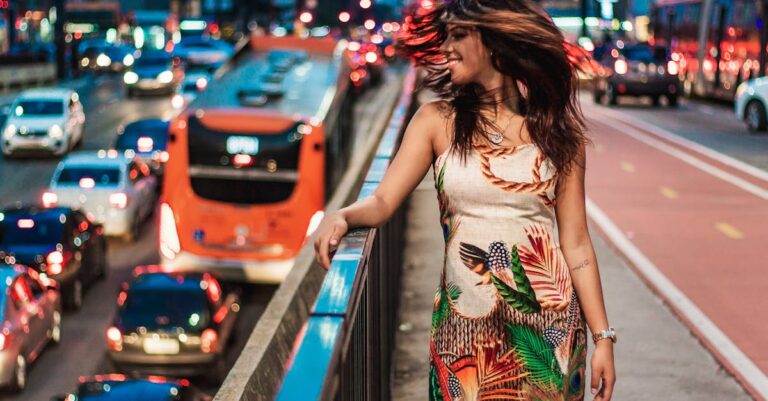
(507, 147)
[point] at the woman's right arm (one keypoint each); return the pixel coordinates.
(406, 171)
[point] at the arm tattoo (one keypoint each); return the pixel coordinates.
(581, 265)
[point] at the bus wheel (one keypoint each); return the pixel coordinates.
(610, 94)
(755, 116)
(672, 100)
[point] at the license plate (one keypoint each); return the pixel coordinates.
(161, 346)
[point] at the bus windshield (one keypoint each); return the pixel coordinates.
(244, 167)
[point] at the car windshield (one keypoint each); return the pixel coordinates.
(32, 107)
(157, 308)
(645, 54)
(152, 61)
(29, 231)
(103, 176)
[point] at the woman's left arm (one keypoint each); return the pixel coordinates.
(580, 257)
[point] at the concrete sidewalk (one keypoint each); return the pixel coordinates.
(657, 357)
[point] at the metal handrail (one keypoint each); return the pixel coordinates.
(345, 349)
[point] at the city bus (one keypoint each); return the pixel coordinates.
(717, 43)
(251, 159)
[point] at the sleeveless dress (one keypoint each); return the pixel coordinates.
(506, 323)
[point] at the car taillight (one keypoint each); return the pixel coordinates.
(145, 144)
(118, 200)
(672, 67)
(620, 66)
(114, 338)
(54, 262)
(169, 237)
(208, 340)
(50, 199)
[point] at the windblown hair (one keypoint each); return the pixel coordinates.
(526, 47)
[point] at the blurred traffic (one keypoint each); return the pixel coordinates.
(175, 162)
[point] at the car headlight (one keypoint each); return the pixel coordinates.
(103, 60)
(9, 131)
(128, 60)
(165, 77)
(130, 78)
(741, 89)
(55, 131)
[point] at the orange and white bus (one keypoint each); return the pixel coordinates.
(249, 159)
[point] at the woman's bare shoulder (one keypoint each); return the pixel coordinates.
(433, 119)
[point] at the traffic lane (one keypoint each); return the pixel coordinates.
(106, 109)
(709, 124)
(705, 234)
(82, 351)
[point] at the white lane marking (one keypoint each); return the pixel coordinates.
(694, 146)
(693, 161)
(703, 325)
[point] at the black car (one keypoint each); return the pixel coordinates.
(148, 138)
(637, 70)
(176, 324)
(116, 387)
(60, 242)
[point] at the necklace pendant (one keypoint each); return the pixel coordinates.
(496, 138)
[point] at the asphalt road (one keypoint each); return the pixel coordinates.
(82, 351)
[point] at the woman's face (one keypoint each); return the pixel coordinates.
(466, 54)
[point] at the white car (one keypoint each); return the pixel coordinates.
(44, 119)
(117, 189)
(199, 51)
(751, 103)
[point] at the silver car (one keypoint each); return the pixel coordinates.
(46, 120)
(117, 189)
(30, 319)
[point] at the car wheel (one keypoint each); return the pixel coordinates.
(672, 100)
(755, 116)
(75, 295)
(218, 371)
(656, 100)
(610, 94)
(19, 374)
(56, 328)
(131, 93)
(597, 96)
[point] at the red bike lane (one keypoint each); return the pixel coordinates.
(703, 224)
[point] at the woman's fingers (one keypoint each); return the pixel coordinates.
(605, 392)
(596, 373)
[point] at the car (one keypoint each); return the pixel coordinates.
(154, 72)
(637, 70)
(109, 57)
(751, 103)
(203, 52)
(118, 387)
(172, 323)
(62, 243)
(117, 189)
(282, 60)
(193, 84)
(148, 138)
(30, 318)
(50, 120)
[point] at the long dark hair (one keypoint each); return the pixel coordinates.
(526, 47)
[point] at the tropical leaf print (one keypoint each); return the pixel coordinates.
(514, 298)
(522, 282)
(537, 358)
(546, 268)
(435, 392)
(444, 296)
(447, 218)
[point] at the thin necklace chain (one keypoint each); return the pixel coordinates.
(497, 137)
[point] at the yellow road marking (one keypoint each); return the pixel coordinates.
(628, 167)
(729, 230)
(668, 192)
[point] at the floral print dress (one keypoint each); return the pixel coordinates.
(506, 323)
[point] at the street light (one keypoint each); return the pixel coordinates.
(306, 17)
(365, 4)
(370, 24)
(344, 16)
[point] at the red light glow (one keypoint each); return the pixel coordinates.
(25, 223)
(305, 17)
(344, 16)
(242, 160)
(145, 144)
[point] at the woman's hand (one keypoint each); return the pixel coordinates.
(329, 233)
(603, 371)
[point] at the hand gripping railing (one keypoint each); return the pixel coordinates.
(345, 349)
